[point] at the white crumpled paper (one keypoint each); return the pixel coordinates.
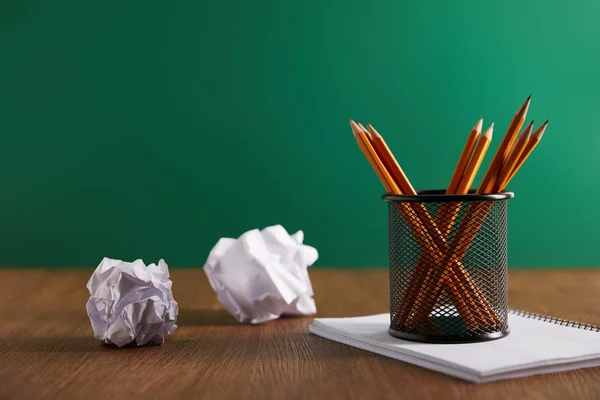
(131, 302)
(263, 274)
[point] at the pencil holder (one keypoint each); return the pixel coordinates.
(448, 266)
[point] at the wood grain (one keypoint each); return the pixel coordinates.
(48, 350)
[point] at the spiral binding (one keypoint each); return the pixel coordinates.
(553, 320)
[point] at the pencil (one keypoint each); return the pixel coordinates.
(464, 158)
(447, 214)
(533, 142)
(452, 209)
(414, 217)
(440, 264)
(473, 221)
(476, 160)
(365, 130)
(491, 174)
(514, 156)
(389, 161)
(371, 156)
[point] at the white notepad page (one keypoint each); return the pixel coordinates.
(533, 347)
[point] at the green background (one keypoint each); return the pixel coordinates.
(148, 129)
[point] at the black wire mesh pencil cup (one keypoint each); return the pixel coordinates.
(448, 266)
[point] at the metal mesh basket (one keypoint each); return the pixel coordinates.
(448, 267)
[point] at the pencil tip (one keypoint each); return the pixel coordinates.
(355, 127)
(524, 108)
(373, 131)
(489, 131)
(528, 129)
(478, 125)
(540, 131)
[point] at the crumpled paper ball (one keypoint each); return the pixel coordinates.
(263, 274)
(130, 302)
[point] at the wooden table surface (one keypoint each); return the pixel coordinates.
(48, 350)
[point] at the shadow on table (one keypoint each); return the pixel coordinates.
(278, 345)
(205, 317)
(79, 344)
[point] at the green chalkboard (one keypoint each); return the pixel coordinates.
(148, 129)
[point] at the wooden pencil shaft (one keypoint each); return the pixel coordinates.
(390, 162)
(493, 170)
(475, 163)
(488, 181)
(455, 253)
(420, 210)
(445, 218)
(365, 145)
(471, 226)
(507, 141)
(430, 245)
(419, 232)
(477, 316)
(452, 209)
(533, 142)
(478, 304)
(467, 179)
(468, 230)
(464, 158)
(458, 271)
(492, 175)
(432, 287)
(513, 157)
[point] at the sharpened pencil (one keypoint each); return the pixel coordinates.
(489, 179)
(464, 158)
(514, 156)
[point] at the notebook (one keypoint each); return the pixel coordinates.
(536, 345)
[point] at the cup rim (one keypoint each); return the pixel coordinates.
(440, 196)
